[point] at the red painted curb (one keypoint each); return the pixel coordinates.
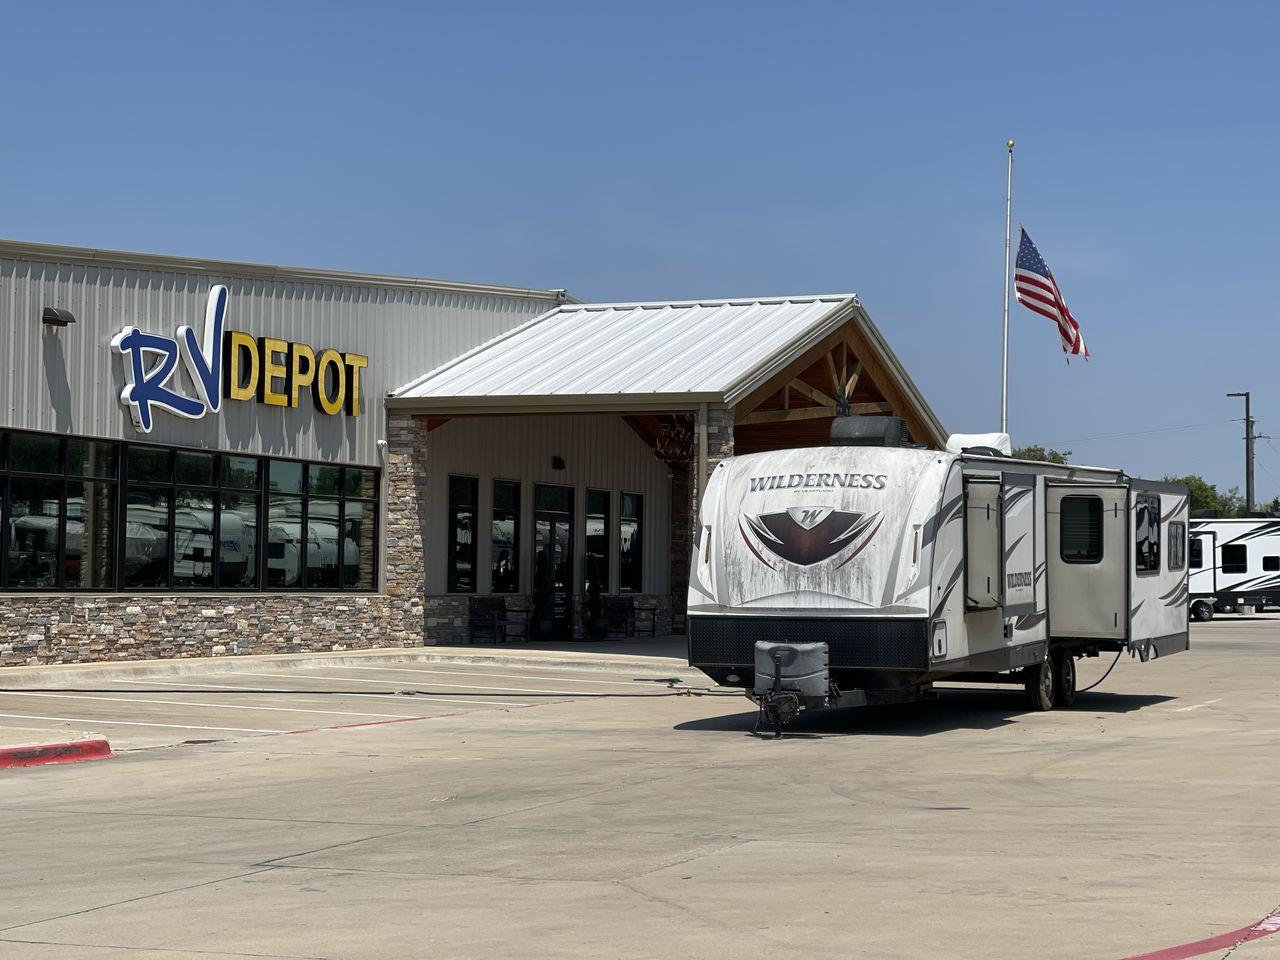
(1263, 928)
(39, 754)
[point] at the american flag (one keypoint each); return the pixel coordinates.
(1036, 289)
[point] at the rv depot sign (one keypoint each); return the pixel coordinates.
(231, 365)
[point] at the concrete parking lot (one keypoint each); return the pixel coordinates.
(141, 709)
(568, 825)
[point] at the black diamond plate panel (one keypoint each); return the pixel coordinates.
(863, 644)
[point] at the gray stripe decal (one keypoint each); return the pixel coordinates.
(951, 510)
(951, 585)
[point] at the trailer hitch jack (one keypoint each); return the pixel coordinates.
(778, 707)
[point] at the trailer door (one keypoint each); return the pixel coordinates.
(1088, 565)
(1018, 543)
(981, 543)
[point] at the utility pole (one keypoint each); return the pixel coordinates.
(1248, 452)
(1004, 351)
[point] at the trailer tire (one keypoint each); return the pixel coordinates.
(1202, 611)
(1064, 678)
(1039, 685)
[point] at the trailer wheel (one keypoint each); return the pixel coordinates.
(1064, 678)
(1202, 611)
(1039, 685)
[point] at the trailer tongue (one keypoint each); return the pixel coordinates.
(866, 571)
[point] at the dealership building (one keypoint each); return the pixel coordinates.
(211, 458)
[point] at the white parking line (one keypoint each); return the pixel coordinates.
(507, 676)
(458, 686)
(196, 703)
(1197, 706)
(499, 703)
(346, 693)
(134, 723)
(184, 683)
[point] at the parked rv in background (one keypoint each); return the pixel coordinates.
(866, 571)
(1234, 564)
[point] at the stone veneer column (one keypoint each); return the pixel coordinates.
(685, 503)
(404, 535)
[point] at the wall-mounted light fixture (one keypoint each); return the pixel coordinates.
(557, 463)
(56, 317)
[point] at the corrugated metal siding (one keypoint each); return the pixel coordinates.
(632, 349)
(69, 381)
(601, 452)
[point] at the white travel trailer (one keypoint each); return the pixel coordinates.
(1234, 563)
(887, 567)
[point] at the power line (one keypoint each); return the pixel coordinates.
(1140, 433)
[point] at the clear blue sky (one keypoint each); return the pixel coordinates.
(655, 150)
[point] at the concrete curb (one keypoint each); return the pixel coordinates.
(63, 675)
(93, 748)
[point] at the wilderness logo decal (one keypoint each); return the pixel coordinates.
(808, 535)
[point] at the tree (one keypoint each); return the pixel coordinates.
(1206, 498)
(1037, 452)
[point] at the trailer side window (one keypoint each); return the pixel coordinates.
(1177, 545)
(1235, 558)
(1146, 518)
(1197, 553)
(1270, 564)
(1081, 529)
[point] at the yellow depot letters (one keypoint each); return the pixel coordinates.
(275, 372)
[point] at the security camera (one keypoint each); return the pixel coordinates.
(382, 444)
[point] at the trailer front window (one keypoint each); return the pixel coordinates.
(1146, 518)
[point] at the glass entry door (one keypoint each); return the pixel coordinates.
(552, 562)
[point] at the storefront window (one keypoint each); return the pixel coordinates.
(505, 537)
(90, 536)
(238, 541)
(92, 458)
(146, 538)
(324, 551)
(35, 513)
(32, 453)
(596, 565)
(359, 523)
(182, 520)
(324, 480)
(193, 537)
(631, 543)
(240, 473)
(285, 544)
(463, 495)
(150, 465)
(285, 476)
(195, 468)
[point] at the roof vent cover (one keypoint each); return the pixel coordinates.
(868, 432)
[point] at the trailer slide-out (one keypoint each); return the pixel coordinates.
(865, 571)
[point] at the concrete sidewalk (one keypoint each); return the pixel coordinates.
(658, 657)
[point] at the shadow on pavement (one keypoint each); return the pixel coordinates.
(954, 710)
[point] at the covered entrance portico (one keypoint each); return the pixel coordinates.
(556, 470)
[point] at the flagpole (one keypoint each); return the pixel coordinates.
(1004, 353)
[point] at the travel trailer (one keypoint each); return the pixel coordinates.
(1234, 563)
(866, 571)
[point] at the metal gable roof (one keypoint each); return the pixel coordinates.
(643, 356)
(696, 349)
